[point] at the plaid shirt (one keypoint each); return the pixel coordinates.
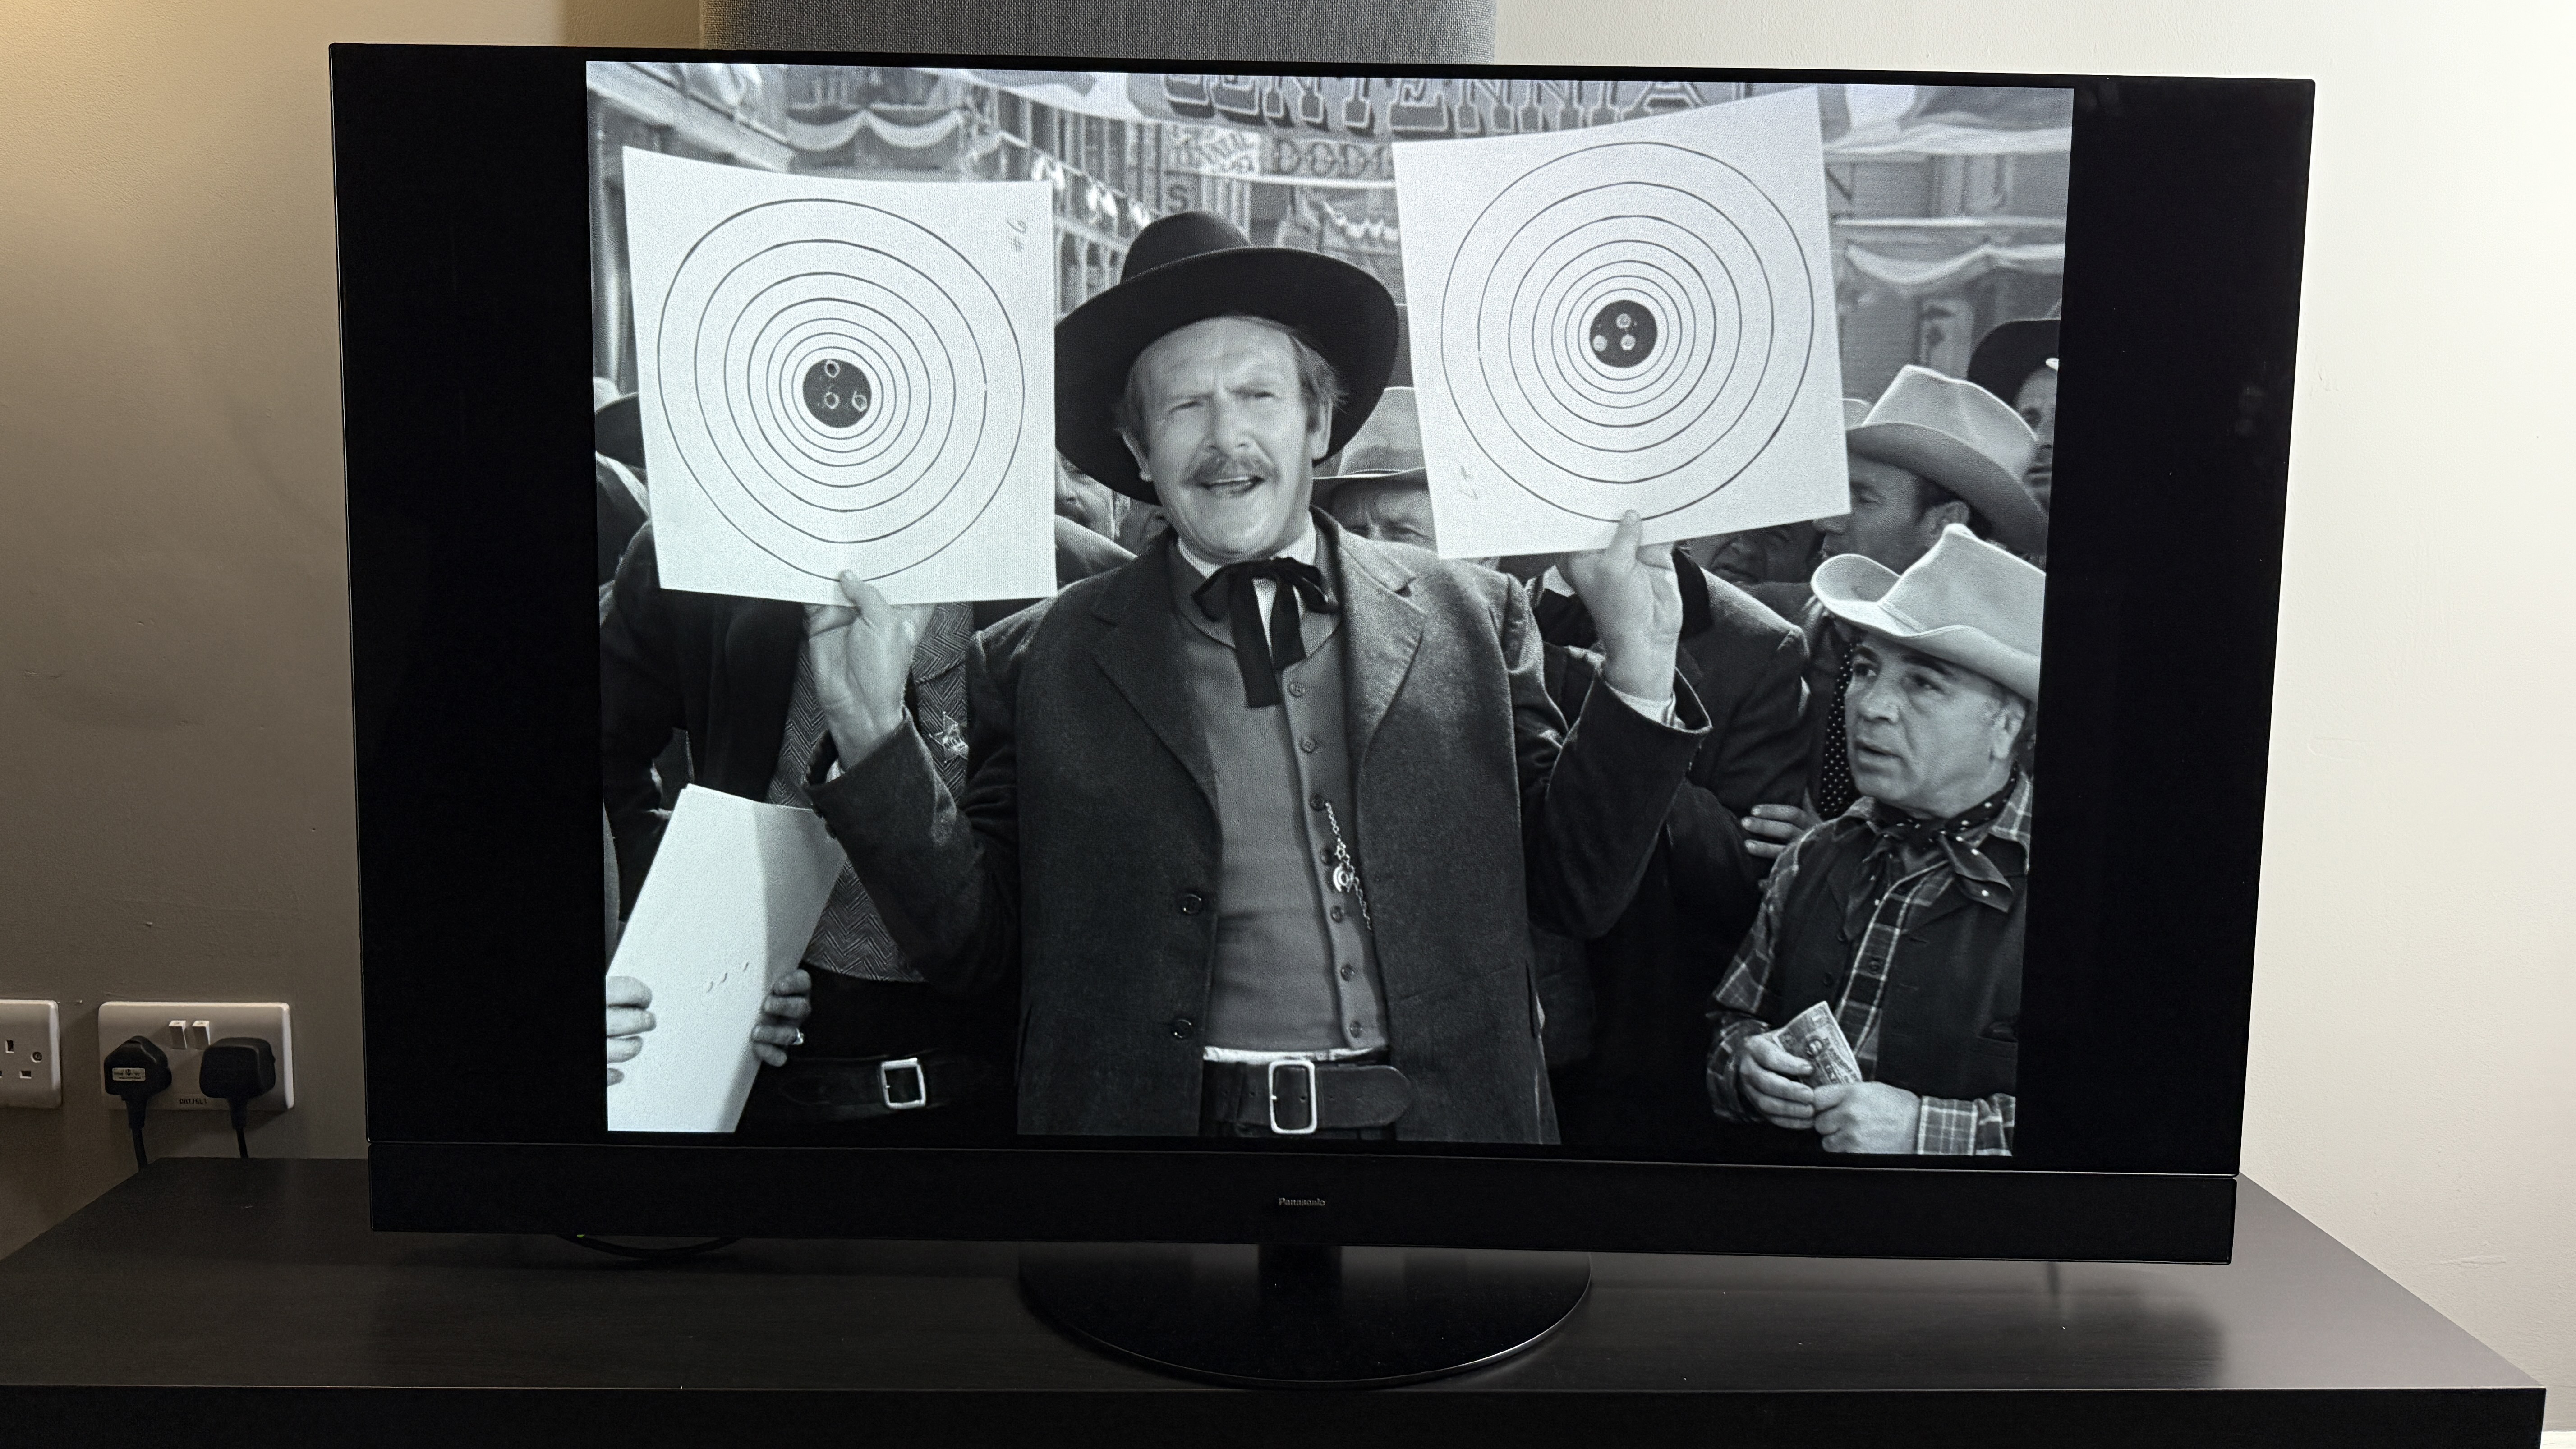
(1747, 1005)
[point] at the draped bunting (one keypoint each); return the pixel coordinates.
(1946, 138)
(1357, 229)
(1916, 274)
(811, 136)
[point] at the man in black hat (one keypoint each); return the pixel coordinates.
(1261, 819)
(2017, 362)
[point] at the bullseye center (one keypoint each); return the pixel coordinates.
(836, 393)
(1622, 334)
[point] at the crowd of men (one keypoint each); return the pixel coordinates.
(1272, 822)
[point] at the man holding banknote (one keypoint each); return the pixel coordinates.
(1877, 1001)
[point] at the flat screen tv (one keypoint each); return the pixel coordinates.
(1180, 656)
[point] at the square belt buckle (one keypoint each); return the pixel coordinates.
(1314, 1106)
(920, 1093)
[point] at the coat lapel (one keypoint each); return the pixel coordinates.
(1384, 630)
(1142, 658)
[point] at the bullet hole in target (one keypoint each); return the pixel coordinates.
(1622, 334)
(836, 393)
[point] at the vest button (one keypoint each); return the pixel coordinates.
(1337, 915)
(1316, 800)
(1182, 1026)
(1348, 970)
(1192, 903)
(1307, 743)
(1296, 690)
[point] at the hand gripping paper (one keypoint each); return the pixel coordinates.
(726, 911)
(1635, 316)
(844, 375)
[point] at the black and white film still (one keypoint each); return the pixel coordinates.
(1373, 611)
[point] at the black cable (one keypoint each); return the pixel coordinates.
(648, 1255)
(241, 1116)
(134, 1124)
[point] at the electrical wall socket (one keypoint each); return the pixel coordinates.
(31, 1059)
(183, 1030)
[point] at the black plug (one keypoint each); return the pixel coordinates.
(136, 1071)
(237, 1069)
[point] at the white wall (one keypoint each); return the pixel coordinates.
(174, 798)
(2413, 1089)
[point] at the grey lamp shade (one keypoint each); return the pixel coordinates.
(1396, 32)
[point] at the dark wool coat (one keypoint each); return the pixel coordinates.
(719, 668)
(1639, 1078)
(1084, 857)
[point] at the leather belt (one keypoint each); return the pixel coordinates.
(853, 1089)
(1294, 1095)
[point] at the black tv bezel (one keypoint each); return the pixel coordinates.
(462, 186)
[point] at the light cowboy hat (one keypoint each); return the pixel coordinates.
(1962, 437)
(1386, 449)
(1966, 601)
(1189, 267)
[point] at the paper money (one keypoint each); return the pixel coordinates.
(1815, 1035)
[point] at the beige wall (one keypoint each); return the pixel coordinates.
(174, 800)
(175, 814)
(2413, 1085)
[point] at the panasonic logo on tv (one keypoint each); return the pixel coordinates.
(1301, 1202)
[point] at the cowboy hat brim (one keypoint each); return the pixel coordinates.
(1342, 311)
(1984, 484)
(1852, 588)
(1325, 488)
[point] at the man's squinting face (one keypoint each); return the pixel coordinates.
(1887, 522)
(2037, 404)
(1926, 736)
(1387, 513)
(1227, 443)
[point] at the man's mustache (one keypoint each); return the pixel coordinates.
(1217, 470)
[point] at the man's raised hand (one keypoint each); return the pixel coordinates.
(1635, 599)
(861, 654)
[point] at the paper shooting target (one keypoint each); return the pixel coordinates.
(1625, 314)
(845, 387)
(1633, 317)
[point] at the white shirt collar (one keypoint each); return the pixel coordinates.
(1553, 581)
(1301, 548)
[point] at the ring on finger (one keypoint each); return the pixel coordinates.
(799, 1038)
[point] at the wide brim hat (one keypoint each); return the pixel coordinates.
(1189, 267)
(617, 430)
(1388, 444)
(2009, 353)
(1962, 437)
(1332, 484)
(1966, 601)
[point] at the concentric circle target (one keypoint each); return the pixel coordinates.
(1628, 326)
(844, 386)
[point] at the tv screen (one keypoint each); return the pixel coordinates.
(1190, 655)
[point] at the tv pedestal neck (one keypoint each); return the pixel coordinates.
(1284, 1315)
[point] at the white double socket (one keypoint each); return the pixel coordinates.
(183, 1030)
(31, 1058)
